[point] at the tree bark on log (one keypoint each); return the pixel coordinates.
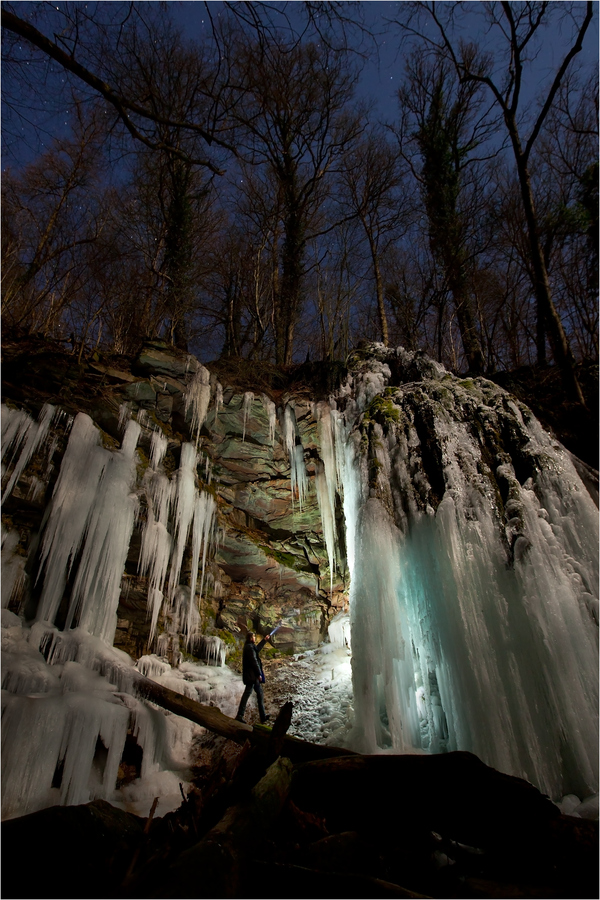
(216, 866)
(212, 718)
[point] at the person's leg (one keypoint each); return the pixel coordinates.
(260, 701)
(243, 702)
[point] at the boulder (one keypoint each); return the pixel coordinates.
(142, 393)
(162, 361)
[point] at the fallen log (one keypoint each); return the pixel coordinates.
(219, 860)
(212, 718)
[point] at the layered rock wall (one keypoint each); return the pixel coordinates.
(266, 562)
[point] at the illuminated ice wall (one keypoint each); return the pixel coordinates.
(475, 571)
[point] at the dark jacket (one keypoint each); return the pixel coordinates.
(251, 665)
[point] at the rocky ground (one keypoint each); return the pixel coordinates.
(319, 685)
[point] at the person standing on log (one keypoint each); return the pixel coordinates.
(252, 675)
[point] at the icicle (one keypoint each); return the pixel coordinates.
(183, 612)
(247, 404)
(271, 411)
(326, 481)
(295, 452)
(158, 448)
(218, 397)
(96, 590)
(13, 567)
(22, 430)
(156, 544)
(203, 517)
(349, 477)
(185, 500)
(36, 489)
(92, 512)
(209, 647)
(197, 398)
(69, 511)
(124, 415)
(15, 426)
(151, 666)
(162, 644)
(327, 518)
(339, 631)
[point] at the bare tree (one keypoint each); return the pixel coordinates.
(111, 49)
(294, 122)
(565, 180)
(371, 179)
(335, 281)
(52, 210)
(517, 29)
(444, 132)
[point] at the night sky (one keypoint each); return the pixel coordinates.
(382, 53)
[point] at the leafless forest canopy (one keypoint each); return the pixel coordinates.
(231, 188)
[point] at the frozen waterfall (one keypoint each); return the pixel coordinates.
(474, 625)
(68, 701)
(470, 541)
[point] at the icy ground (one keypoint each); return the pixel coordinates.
(319, 684)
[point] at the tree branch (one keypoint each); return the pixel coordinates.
(121, 104)
(558, 78)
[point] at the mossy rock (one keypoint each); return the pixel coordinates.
(383, 411)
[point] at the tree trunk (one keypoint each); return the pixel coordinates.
(546, 309)
(540, 334)
(466, 324)
(218, 866)
(383, 324)
(233, 324)
(291, 279)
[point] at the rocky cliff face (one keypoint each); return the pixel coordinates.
(266, 559)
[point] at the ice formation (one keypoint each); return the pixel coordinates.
(295, 454)
(246, 406)
(197, 399)
(68, 702)
(473, 607)
(67, 694)
(13, 567)
(91, 518)
(271, 411)
(474, 625)
(65, 718)
(326, 481)
(340, 635)
(192, 512)
(21, 437)
(218, 397)
(209, 647)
